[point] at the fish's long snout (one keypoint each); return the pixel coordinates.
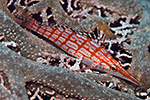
(125, 75)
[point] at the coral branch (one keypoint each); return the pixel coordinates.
(30, 46)
(72, 84)
(5, 94)
(139, 48)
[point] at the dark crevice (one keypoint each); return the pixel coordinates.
(115, 47)
(48, 11)
(149, 48)
(72, 62)
(84, 17)
(90, 12)
(96, 32)
(16, 49)
(135, 20)
(102, 12)
(128, 41)
(125, 51)
(125, 59)
(22, 2)
(51, 21)
(91, 35)
(143, 96)
(12, 6)
(117, 23)
(37, 17)
(8, 1)
(45, 97)
(126, 67)
(65, 5)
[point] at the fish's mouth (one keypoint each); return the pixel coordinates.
(126, 75)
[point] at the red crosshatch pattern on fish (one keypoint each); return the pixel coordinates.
(94, 55)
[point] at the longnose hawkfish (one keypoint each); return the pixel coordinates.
(93, 55)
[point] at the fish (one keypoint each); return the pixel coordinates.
(81, 46)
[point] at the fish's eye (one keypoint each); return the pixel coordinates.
(113, 67)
